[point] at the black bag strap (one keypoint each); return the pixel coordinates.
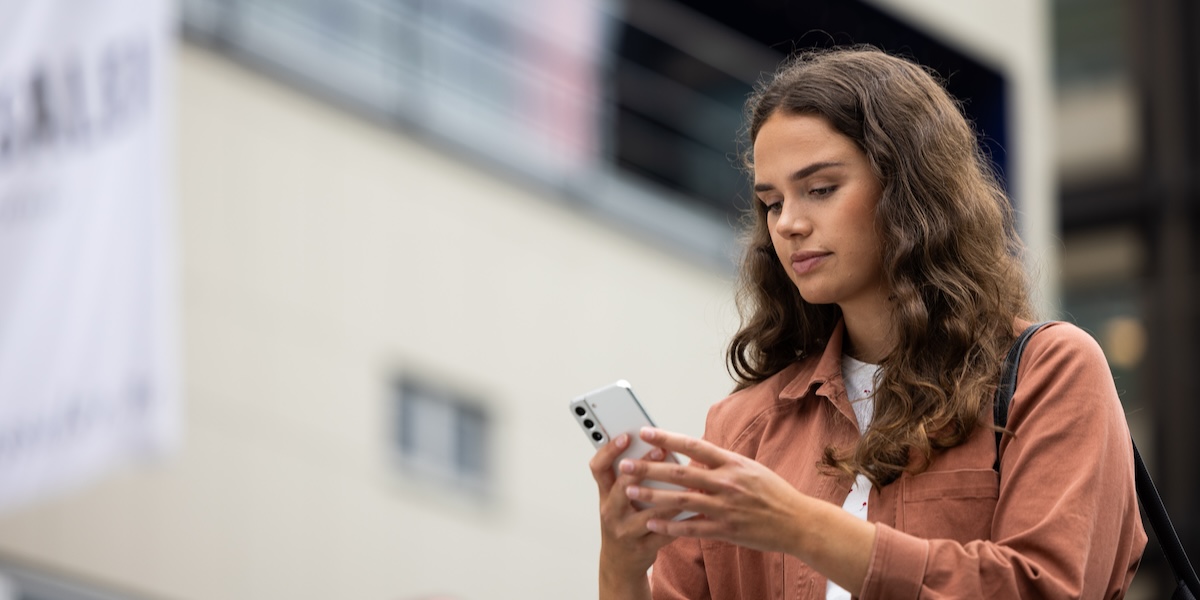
(1168, 539)
(1185, 576)
(1008, 384)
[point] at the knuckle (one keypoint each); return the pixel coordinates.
(681, 528)
(724, 482)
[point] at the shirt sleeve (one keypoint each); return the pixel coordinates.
(678, 572)
(1066, 523)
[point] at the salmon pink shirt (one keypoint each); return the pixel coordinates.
(1059, 520)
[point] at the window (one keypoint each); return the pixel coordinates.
(1100, 134)
(528, 86)
(680, 80)
(442, 436)
(630, 108)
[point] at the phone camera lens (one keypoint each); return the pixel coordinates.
(597, 436)
(588, 423)
(579, 411)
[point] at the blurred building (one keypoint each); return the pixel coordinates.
(1128, 82)
(413, 230)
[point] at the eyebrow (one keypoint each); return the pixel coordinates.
(798, 175)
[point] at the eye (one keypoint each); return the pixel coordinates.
(822, 192)
(773, 207)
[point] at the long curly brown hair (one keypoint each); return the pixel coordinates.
(951, 257)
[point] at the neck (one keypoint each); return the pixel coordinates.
(870, 333)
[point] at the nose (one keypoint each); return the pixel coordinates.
(793, 220)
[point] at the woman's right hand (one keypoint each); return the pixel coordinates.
(627, 548)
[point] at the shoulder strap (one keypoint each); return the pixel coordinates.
(1187, 583)
(1008, 384)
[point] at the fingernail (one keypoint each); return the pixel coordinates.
(622, 440)
(626, 466)
(657, 454)
(632, 492)
(655, 526)
(647, 433)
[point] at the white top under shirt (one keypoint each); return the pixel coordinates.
(860, 387)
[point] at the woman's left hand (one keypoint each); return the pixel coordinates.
(742, 501)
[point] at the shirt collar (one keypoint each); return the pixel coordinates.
(826, 376)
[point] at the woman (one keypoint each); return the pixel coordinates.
(879, 295)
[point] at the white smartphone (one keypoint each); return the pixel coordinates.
(612, 410)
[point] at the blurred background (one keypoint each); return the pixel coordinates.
(401, 235)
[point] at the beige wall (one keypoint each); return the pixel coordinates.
(321, 256)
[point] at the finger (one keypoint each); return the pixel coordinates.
(615, 504)
(634, 523)
(653, 513)
(624, 480)
(674, 500)
(601, 464)
(693, 448)
(622, 520)
(695, 528)
(669, 472)
(618, 492)
(640, 534)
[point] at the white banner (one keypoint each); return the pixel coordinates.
(88, 357)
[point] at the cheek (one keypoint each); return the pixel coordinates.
(779, 248)
(783, 262)
(783, 259)
(867, 239)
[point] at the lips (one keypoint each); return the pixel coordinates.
(805, 261)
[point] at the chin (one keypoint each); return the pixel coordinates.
(817, 298)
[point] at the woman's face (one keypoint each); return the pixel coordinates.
(820, 196)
